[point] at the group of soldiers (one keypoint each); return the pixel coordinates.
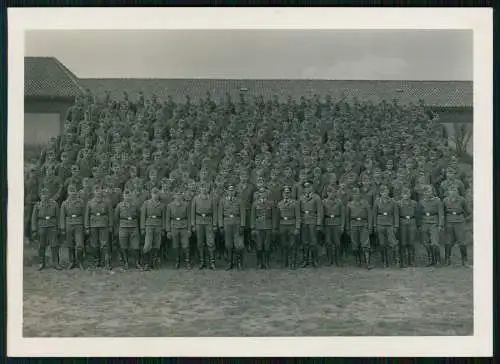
(200, 181)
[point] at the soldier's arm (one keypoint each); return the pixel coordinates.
(62, 219)
(189, 222)
(375, 209)
(319, 212)
(192, 211)
(167, 219)
(214, 212)
(466, 208)
(59, 190)
(275, 217)
(220, 215)
(348, 217)
(370, 217)
(34, 218)
(252, 217)
(142, 224)
(117, 215)
(298, 219)
(110, 216)
(342, 217)
(86, 216)
(396, 215)
(440, 213)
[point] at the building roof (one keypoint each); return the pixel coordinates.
(434, 93)
(47, 77)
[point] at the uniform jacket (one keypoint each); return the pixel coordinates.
(98, 214)
(311, 210)
(289, 213)
(204, 211)
(45, 214)
(72, 212)
(385, 212)
(153, 214)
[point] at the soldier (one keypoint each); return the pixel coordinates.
(456, 213)
(262, 225)
(127, 222)
(64, 168)
(204, 220)
(133, 179)
(246, 191)
(311, 210)
(71, 225)
(289, 227)
(334, 225)
(98, 225)
(359, 224)
(431, 223)
(44, 221)
(408, 217)
(178, 223)
(53, 183)
(231, 220)
(153, 220)
(386, 215)
(31, 188)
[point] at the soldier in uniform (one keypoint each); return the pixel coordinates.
(334, 225)
(262, 224)
(289, 227)
(431, 223)
(153, 221)
(359, 223)
(71, 225)
(408, 217)
(44, 226)
(231, 220)
(204, 224)
(246, 191)
(98, 225)
(386, 216)
(311, 209)
(178, 227)
(127, 219)
(456, 212)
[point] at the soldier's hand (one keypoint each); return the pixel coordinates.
(143, 231)
(87, 231)
(62, 232)
(163, 233)
(221, 229)
(215, 228)
(193, 229)
(189, 233)
(318, 228)
(34, 234)
(441, 227)
(169, 235)
(242, 230)
(296, 232)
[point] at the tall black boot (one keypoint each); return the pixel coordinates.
(447, 254)
(177, 256)
(187, 259)
(136, 260)
(305, 260)
(98, 257)
(463, 255)
(285, 262)
(201, 251)
(55, 258)
(107, 258)
(240, 264)
(230, 260)
(79, 258)
(126, 255)
(336, 256)
(267, 258)
(212, 259)
(72, 258)
(41, 258)
(437, 254)
(366, 254)
(293, 257)
(431, 257)
(314, 257)
(396, 255)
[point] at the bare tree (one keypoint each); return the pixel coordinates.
(462, 136)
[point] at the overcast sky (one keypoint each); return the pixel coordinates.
(312, 54)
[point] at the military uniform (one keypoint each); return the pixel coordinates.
(231, 217)
(386, 215)
(455, 213)
(289, 229)
(359, 224)
(432, 221)
(44, 223)
(246, 192)
(71, 224)
(178, 223)
(98, 224)
(333, 227)
(204, 220)
(153, 221)
(408, 217)
(262, 224)
(127, 219)
(311, 210)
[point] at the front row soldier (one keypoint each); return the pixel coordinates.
(289, 227)
(408, 219)
(204, 224)
(456, 212)
(71, 225)
(311, 209)
(386, 215)
(334, 224)
(359, 224)
(153, 217)
(231, 219)
(44, 228)
(262, 225)
(178, 227)
(431, 223)
(98, 224)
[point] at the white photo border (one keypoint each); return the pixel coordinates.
(477, 19)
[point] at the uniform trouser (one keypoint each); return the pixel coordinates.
(180, 238)
(360, 237)
(455, 234)
(153, 237)
(309, 235)
(75, 237)
(332, 236)
(98, 241)
(48, 236)
(232, 237)
(386, 237)
(408, 235)
(205, 237)
(263, 239)
(289, 243)
(28, 210)
(430, 235)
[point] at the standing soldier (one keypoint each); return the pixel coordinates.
(178, 223)
(431, 223)
(44, 221)
(204, 220)
(153, 216)
(334, 224)
(386, 215)
(311, 210)
(246, 191)
(456, 212)
(289, 227)
(71, 224)
(262, 224)
(231, 219)
(408, 217)
(98, 224)
(359, 224)
(127, 215)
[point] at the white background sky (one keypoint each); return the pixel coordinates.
(313, 54)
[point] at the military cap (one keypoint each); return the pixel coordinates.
(307, 183)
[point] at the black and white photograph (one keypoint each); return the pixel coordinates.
(250, 181)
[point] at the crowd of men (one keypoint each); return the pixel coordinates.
(195, 182)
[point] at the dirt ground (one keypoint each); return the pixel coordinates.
(327, 301)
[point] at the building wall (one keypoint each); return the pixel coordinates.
(43, 119)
